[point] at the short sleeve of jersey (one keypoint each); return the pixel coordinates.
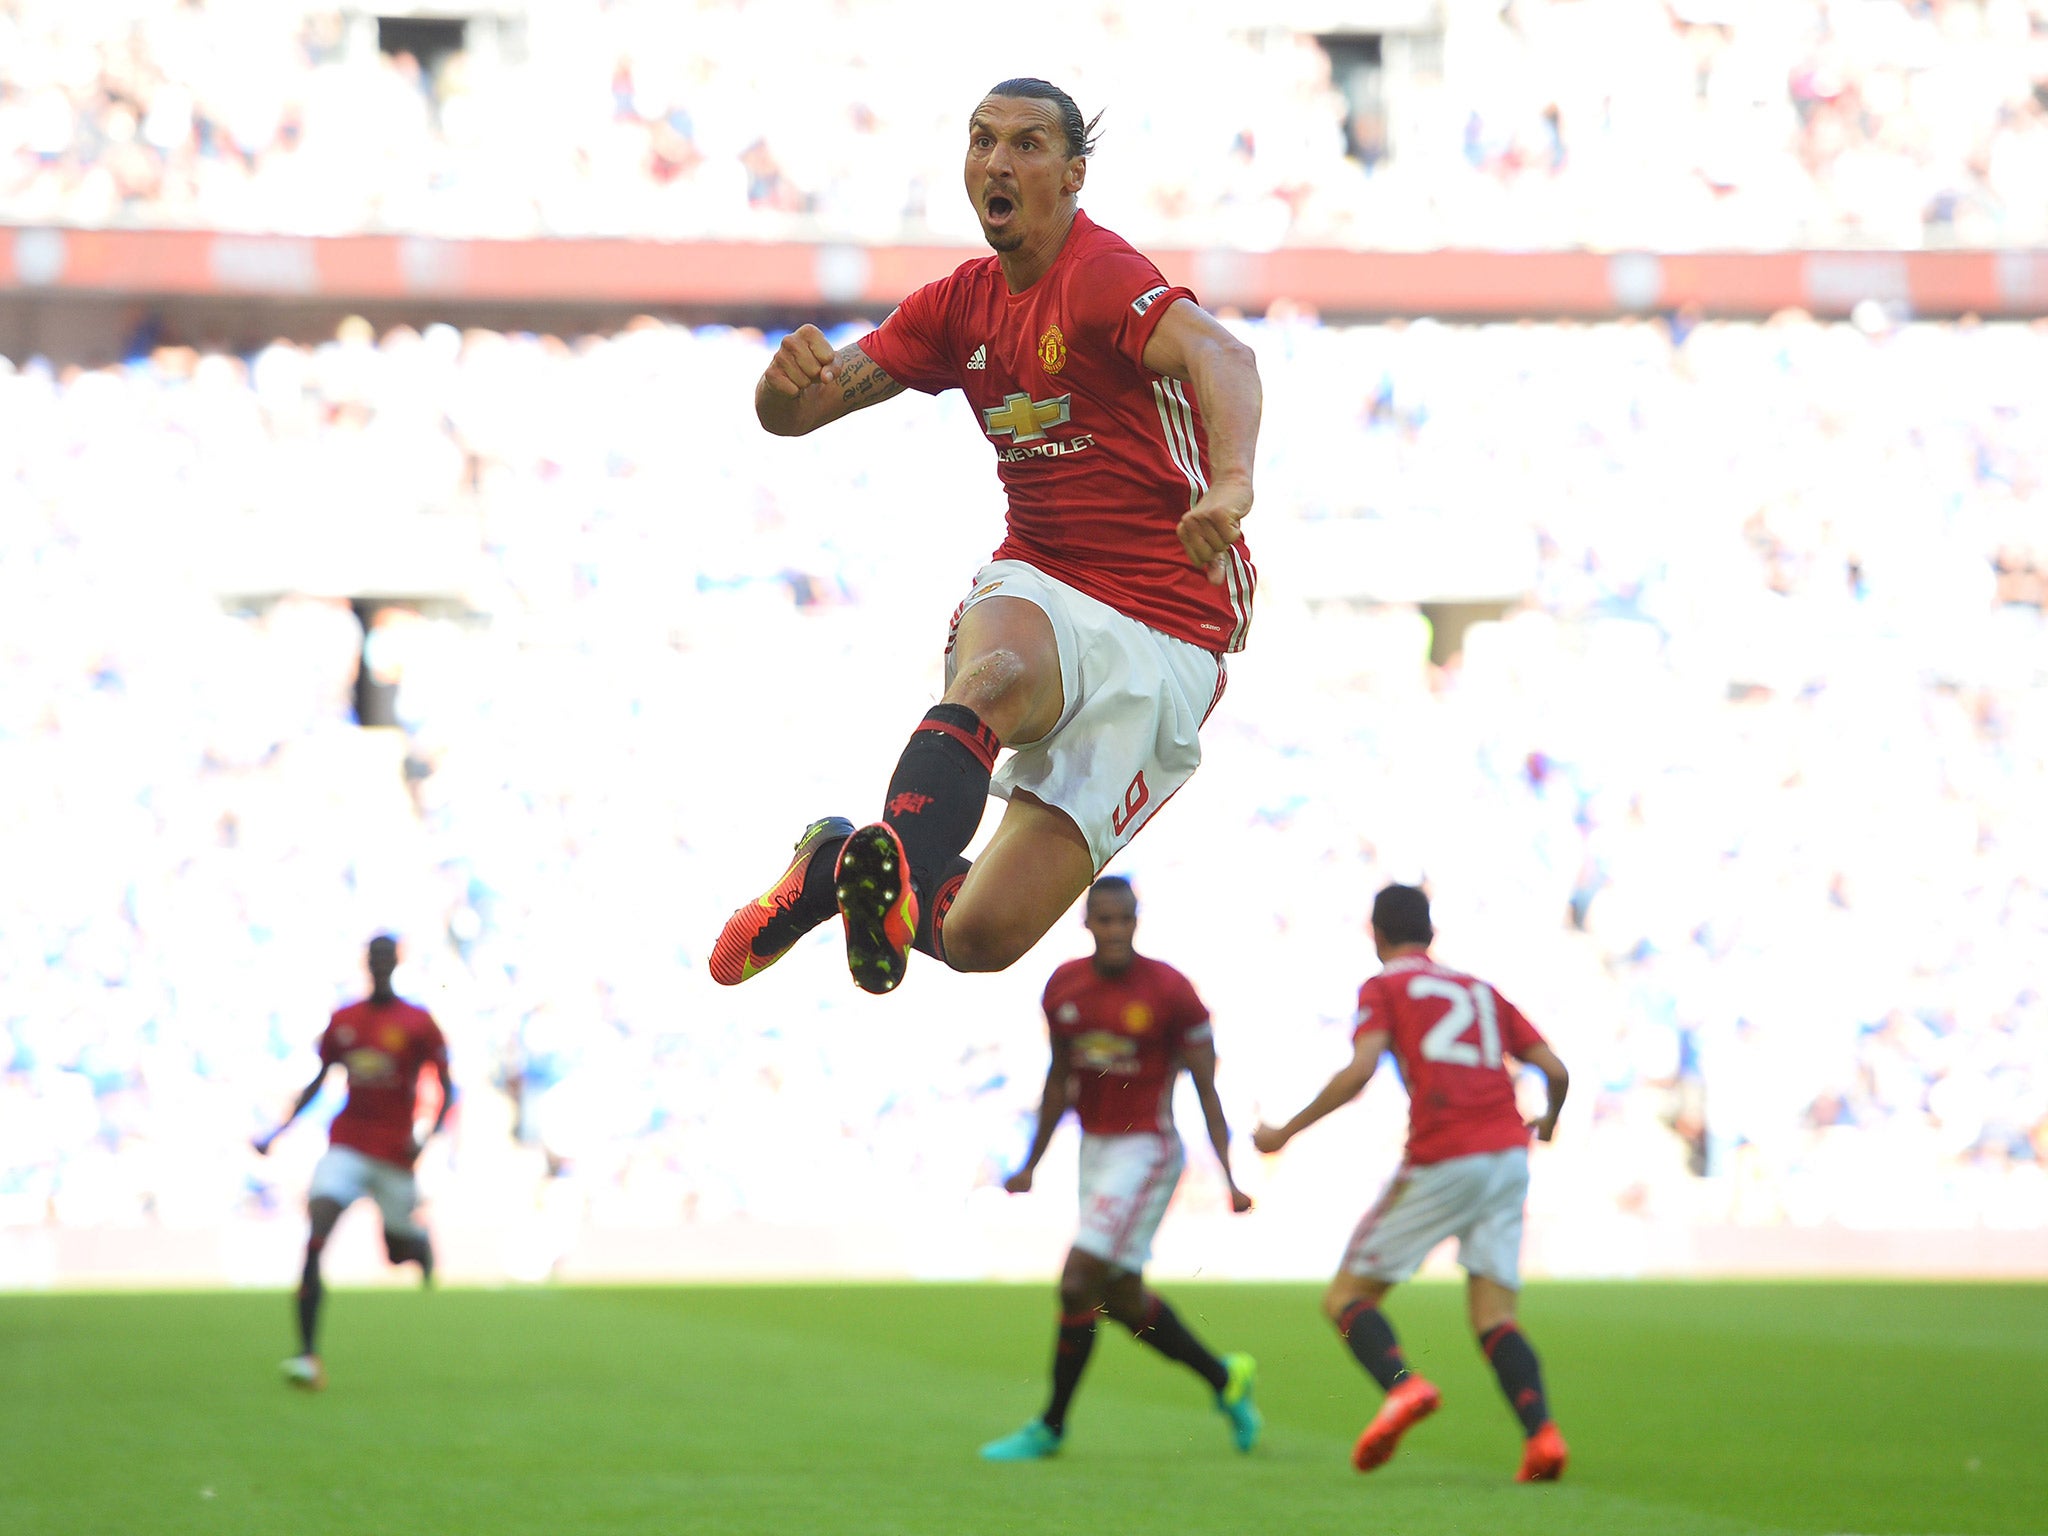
(1517, 1034)
(1052, 1019)
(433, 1044)
(1190, 1013)
(1123, 301)
(1372, 1012)
(911, 346)
(329, 1051)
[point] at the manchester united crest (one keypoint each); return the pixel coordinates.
(1052, 350)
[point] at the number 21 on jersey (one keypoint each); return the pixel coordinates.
(1446, 1040)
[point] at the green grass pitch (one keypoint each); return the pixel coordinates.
(1816, 1408)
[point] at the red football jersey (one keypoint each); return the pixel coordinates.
(1126, 1032)
(1100, 457)
(1450, 1034)
(384, 1047)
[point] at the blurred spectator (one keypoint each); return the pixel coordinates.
(1738, 796)
(1524, 123)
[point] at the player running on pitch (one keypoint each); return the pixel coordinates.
(383, 1043)
(1123, 419)
(1465, 1175)
(1122, 1027)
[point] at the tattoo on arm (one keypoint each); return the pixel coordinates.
(861, 382)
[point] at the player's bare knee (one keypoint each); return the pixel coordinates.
(990, 683)
(983, 941)
(1488, 1304)
(1084, 1283)
(1080, 1294)
(1345, 1292)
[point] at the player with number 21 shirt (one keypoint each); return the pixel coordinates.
(1465, 1174)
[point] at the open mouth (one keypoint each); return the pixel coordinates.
(999, 208)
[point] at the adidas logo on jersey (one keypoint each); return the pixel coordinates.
(980, 358)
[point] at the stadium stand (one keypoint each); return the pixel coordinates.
(1747, 124)
(1725, 762)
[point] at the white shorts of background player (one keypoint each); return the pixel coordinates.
(345, 1175)
(1478, 1200)
(1135, 700)
(1126, 1184)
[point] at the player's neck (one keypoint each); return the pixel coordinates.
(1032, 260)
(1403, 952)
(1105, 968)
(383, 996)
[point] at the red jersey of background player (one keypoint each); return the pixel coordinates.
(1100, 457)
(384, 1047)
(1449, 1033)
(1126, 1031)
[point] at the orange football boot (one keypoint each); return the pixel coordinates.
(762, 932)
(1413, 1399)
(1543, 1455)
(878, 905)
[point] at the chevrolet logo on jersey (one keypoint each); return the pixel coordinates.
(1101, 1051)
(369, 1068)
(1024, 419)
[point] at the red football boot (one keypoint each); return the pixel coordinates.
(761, 932)
(878, 906)
(1543, 1455)
(1413, 1399)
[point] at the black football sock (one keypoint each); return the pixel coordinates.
(415, 1249)
(310, 1293)
(936, 800)
(1371, 1337)
(1521, 1376)
(931, 915)
(818, 900)
(1069, 1359)
(1165, 1332)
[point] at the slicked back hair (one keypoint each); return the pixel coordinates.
(1400, 914)
(1081, 136)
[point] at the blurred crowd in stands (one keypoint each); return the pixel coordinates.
(1662, 124)
(1701, 670)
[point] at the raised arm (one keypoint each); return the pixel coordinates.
(1192, 345)
(1199, 1056)
(807, 385)
(306, 1096)
(1346, 1085)
(1051, 1105)
(1556, 1082)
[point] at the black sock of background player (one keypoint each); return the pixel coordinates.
(1521, 1377)
(1371, 1337)
(310, 1292)
(936, 798)
(416, 1249)
(1165, 1332)
(1069, 1359)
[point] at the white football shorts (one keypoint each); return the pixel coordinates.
(1135, 702)
(1126, 1184)
(1478, 1200)
(345, 1175)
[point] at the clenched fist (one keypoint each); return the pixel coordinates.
(804, 357)
(1211, 527)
